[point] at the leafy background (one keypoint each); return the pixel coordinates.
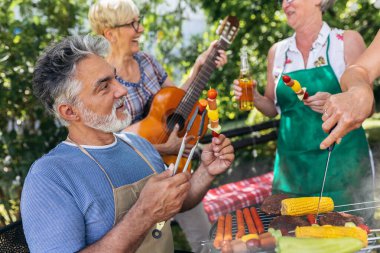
(28, 26)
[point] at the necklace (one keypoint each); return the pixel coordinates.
(139, 84)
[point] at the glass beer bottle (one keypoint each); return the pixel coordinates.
(245, 82)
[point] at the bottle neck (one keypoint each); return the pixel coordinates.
(244, 73)
(244, 67)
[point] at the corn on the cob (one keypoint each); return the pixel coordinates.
(332, 232)
(287, 244)
(306, 205)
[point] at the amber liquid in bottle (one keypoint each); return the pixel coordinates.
(246, 83)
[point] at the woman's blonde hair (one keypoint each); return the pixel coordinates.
(109, 13)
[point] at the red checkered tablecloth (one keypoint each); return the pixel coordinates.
(230, 197)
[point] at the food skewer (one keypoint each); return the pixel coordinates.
(296, 87)
(212, 113)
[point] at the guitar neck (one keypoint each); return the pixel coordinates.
(199, 83)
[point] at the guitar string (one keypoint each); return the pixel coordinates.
(202, 76)
(180, 111)
(208, 68)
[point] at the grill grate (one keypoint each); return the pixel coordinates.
(266, 219)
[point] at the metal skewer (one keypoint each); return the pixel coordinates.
(329, 149)
(371, 247)
(362, 203)
(374, 238)
(358, 209)
(324, 180)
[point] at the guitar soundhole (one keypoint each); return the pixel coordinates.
(174, 119)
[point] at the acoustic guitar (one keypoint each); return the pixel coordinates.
(172, 105)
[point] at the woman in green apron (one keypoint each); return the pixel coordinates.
(316, 56)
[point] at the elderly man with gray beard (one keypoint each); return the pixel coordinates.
(98, 191)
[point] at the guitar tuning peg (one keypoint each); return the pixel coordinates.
(218, 30)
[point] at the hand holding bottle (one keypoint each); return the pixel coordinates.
(246, 84)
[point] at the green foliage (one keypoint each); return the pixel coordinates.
(26, 131)
(262, 23)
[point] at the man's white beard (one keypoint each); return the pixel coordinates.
(108, 124)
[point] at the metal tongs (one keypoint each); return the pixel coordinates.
(156, 233)
(183, 144)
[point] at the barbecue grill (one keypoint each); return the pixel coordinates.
(266, 219)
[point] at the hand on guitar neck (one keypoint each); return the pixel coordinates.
(220, 61)
(172, 145)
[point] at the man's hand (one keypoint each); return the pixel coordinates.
(317, 101)
(218, 155)
(163, 195)
(339, 110)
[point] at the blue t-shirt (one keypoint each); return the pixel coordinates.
(67, 201)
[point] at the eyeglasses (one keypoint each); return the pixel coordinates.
(135, 24)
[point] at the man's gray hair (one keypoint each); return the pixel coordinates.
(53, 78)
(326, 4)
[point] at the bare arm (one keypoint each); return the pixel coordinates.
(121, 238)
(160, 199)
(365, 69)
(349, 109)
(266, 102)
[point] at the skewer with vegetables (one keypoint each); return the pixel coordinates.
(212, 112)
(296, 87)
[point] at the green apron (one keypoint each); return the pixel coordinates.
(300, 164)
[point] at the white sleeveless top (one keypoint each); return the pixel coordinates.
(317, 56)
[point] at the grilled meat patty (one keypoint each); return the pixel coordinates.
(287, 223)
(339, 219)
(272, 204)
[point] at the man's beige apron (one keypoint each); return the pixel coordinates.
(125, 197)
